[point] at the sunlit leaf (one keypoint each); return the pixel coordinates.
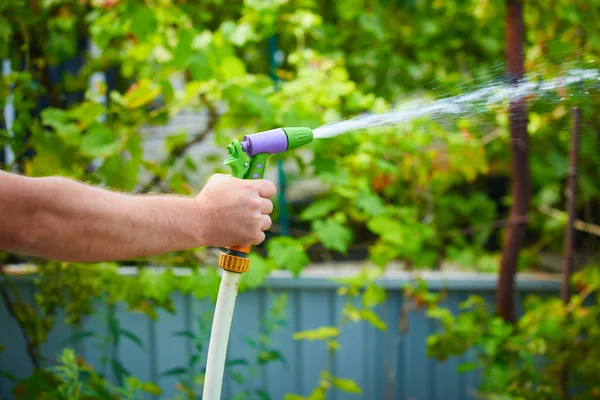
(99, 141)
(323, 332)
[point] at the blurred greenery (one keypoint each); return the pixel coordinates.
(527, 360)
(428, 192)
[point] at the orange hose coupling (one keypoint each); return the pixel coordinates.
(234, 263)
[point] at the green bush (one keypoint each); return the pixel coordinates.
(528, 359)
(416, 192)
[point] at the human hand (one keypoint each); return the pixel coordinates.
(235, 212)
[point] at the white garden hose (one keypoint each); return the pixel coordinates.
(219, 335)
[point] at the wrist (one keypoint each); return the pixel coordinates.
(193, 223)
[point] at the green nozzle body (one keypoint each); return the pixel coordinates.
(298, 136)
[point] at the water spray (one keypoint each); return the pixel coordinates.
(247, 160)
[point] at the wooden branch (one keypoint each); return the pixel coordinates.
(178, 151)
(578, 224)
(571, 193)
(496, 224)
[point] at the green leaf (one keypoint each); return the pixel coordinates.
(193, 361)
(536, 346)
(267, 356)
(129, 335)
(287, 253)
(8, 376)
(141, 93)
(251, 343)
(175, 372)
(119, 172)
(371, 317)
(99, 141)
(87, 113)
(76, 337)
(187, 334)
(257, 273)
(152, 388)
(333, 235)
(133, 383)
(52, 116)
(467, 366)
(242, 34)
(119, 370)
(371, 204)
(231, 67)
(320, 208)
(155, 285)
(237, 361)
(237, 377)
(59, 120)
(345, 385)
(262, 394)
(322, 333)
(174, 141)
(291, 396)
(143, 22)
(114, 327)
(390, 230)
(200, 67)
(5, 34)
(373, 296)
(206, 283)
(183, 51)
(440, 313)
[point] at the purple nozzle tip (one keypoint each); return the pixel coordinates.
(272, 141)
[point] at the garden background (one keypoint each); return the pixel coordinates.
(382, 266)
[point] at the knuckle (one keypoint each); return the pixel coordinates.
(255, 204)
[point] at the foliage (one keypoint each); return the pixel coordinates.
(362, 295)
(74, 379)
(424, 192)
(528, 358)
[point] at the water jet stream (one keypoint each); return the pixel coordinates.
(477, 100)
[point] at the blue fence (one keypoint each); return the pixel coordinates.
(386, 365)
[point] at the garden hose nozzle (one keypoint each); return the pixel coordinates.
(247, 160)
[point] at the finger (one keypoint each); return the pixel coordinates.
(259, 239)
(266, 206)
(265, 188)
(266, 223)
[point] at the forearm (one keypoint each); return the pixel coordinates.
(66, 220)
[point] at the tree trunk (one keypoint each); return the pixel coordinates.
(515, 235)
